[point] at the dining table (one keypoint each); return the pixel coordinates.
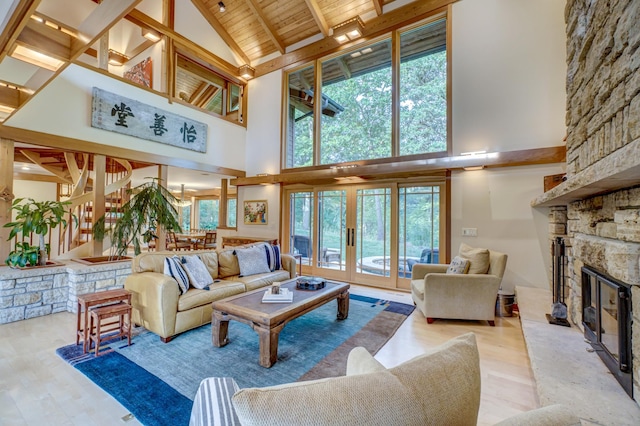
(194, 237)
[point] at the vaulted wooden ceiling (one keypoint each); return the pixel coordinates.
(254, 30)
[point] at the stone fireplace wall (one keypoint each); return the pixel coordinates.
(603, 125)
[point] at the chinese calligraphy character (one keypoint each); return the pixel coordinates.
(123, 112)
(158, 125)
(188, 133)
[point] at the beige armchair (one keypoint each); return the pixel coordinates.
(458, 296)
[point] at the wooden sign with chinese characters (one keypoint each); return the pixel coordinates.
(122, 115)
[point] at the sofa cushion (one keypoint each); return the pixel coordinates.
(173, 268)
(440, 387)
(197, 272)
(458, 265)
(218, 290)
(478, 258)
(252, 260)
(255, 281)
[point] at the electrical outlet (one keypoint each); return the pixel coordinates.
(469, 232)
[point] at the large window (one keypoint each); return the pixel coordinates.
(208, 214)
(372, 103)
(356, 102)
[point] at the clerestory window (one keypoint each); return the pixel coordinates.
(374, 101)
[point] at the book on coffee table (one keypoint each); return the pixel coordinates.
(285, 296)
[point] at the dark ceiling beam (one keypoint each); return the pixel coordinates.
(266, 26)
(393, 168)
(318, 16)
(218, 28)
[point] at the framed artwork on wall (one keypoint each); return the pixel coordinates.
(255, 212)
(141, 73)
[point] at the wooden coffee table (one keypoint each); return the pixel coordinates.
(268, 319)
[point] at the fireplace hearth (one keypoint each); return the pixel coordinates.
(606, 317)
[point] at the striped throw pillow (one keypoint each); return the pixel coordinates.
(273, 256)
(212, 404)
(173, 268)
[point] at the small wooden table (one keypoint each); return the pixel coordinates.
(268, 319)
(89, 300)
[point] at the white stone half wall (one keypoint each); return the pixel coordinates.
(35, 292)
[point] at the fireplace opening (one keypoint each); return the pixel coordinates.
(606, 316)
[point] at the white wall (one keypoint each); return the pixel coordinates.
(264, 155)
(64, 108)
(509, 74)
(508, 85)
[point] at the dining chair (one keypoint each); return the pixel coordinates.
(209, 241)
(174, 244)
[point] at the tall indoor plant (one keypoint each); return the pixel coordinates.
(150, 208)
(37, 217)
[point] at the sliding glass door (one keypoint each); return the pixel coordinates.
(367, 234)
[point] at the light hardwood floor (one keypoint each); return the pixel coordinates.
(38, 388)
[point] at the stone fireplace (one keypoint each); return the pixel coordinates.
(597, 209)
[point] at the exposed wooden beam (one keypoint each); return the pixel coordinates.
(139, 49)
(15, 23)
(405, 15)
(56, 170)
(198, 92)
(266, 26)
(9, 97)
(169, 13)
(217, 26)
(103, 17)
(318, 16)
(198, 72)
(344, 68)
(136, 16)
(44, 39)
(378, 6)
(64, 143)
(412, 168)
(38, 177)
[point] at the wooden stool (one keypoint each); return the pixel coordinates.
(104, 330)
(86, 302)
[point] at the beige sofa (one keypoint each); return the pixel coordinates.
(469, 296)
(158, 305)
(441, 387)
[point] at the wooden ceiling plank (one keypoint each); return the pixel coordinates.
(101, 19)
(377, 4)
(196, 71)
(222, 32)
(402, 16)
(15, 24)
(38, 177)
(54, 141)
(264, 22)
(318, 16)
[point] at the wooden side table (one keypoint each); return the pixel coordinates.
(121, 325)
(86, 302)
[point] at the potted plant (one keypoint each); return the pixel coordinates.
(151, 207)
(37, 217)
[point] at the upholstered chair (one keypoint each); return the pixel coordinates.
(446, 291)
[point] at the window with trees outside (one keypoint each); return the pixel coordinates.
(358, 115)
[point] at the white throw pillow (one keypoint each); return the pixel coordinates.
(478, 258)
(458, 266)
(173, 268)
(252, 260)
(197, 272)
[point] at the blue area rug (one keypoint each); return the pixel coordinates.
(157, 381)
